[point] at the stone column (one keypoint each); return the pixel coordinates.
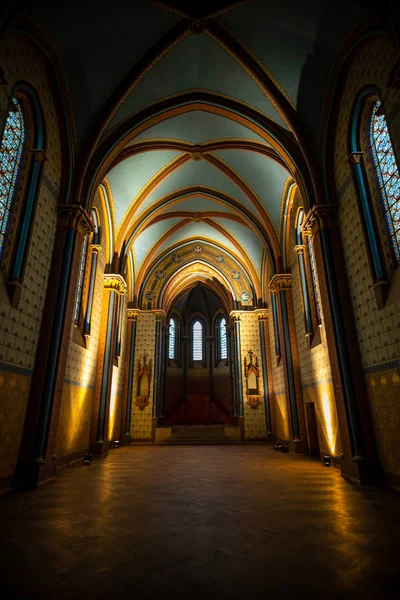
(36, 460)
(157, 372)
(114, 289)
(132, 321)
(267, 372)
(305, 297)
(232, 371)
(281, 288)
(358, 444)
(210, 340)
(235, 316)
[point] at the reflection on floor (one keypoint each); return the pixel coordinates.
(200, 522)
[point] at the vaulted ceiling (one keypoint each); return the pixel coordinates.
(198, 116)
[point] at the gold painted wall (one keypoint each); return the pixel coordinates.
(141, 422)
(378, 330)
(79, 381)
(117, 386)
(315, 369)
(254, 419)
(278, 378)
(19, 327)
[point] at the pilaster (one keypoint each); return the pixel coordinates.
(266, 364)
(358, 446)
(281, 288)
(36, 460)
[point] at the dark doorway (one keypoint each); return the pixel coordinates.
(312, 430)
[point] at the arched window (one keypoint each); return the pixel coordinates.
(12, 145)
(223, 342)
(314, 279)
(197, 341)
(81, 279)
(388, 174)
(172, 342)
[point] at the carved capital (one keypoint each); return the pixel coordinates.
(95, 248)
(321, 216)
(262, 314)
(299, 249)
(115, 282)
(39, 155)
(132, 314)
(281, 281)
(160, 314)
(74, 216)
(356, 158)
(235, 316)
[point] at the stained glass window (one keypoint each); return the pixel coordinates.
(197, 341)
(222, 340)
(81, 276)
(172, 339)
(317, 300)
(10, 159)
(388, 174)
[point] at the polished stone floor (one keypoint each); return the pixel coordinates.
(200, 522)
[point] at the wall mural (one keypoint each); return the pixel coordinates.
(155, 282)
(251, 373)
(143, 371)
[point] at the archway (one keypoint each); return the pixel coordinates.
(197, 383)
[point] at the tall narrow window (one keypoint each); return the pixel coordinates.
(223, 346)
(388, 174)
(197, 340)
(314, 278)
(10, 159)
(81, 278)
(172, 339)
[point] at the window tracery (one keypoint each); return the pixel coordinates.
(172, 339)
(81, 277)
(388, 174)
(11, 148)
(223, 345)
(197, 340)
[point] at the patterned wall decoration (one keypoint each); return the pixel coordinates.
(19, 328)
(378, 330)
(13, 385)
(174, 260)
(80, 373)
(141, 422)
(254, 419)
(278, 377)
(315, 370)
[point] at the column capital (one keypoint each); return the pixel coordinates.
(132, 314)
(321, 216)
(299, 249)
(95, 248)
(74, 216)
(356, 158)
(280, 281)
(262, 314)
(114, 281)
(39, 155)
(235, 315)
(160, 314)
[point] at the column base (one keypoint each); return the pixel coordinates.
(126, 439)
(361, 471)
(271, 437)
(99, 449)
(296, 447)
(240, 422)
(32, 475)
(153, 430)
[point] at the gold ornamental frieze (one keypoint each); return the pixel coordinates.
(281, 281)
